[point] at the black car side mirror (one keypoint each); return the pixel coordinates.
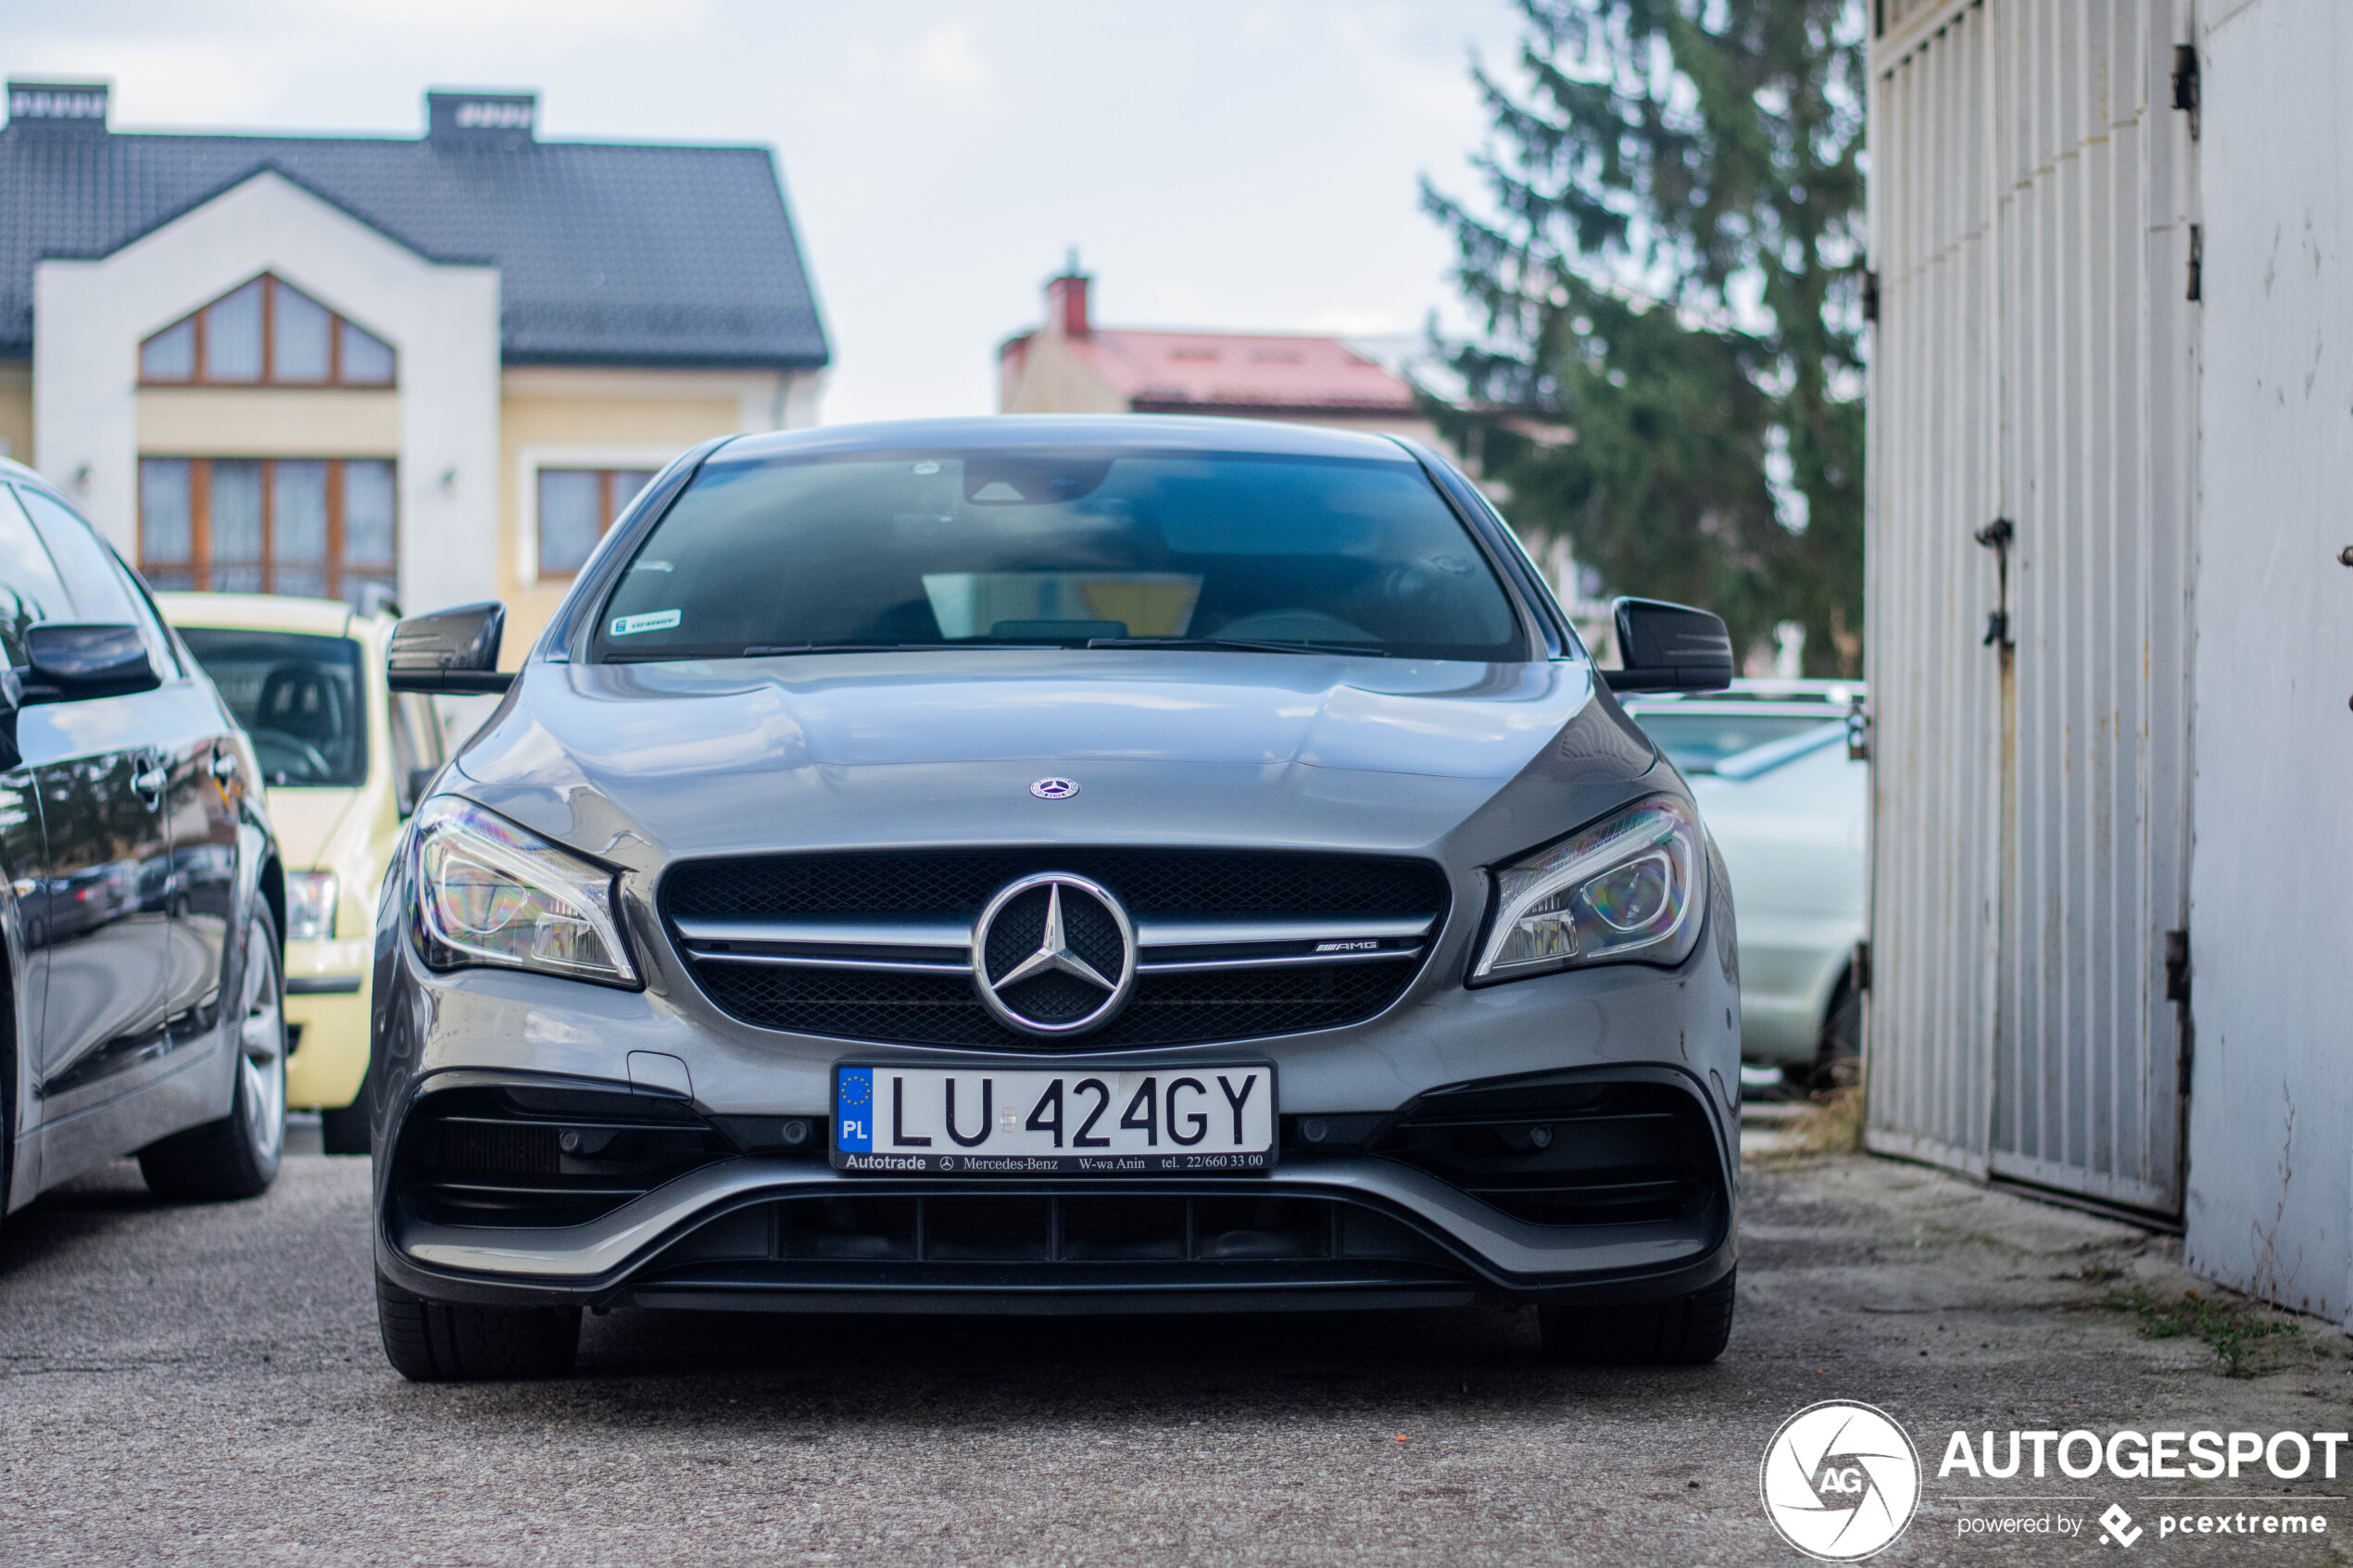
(451, 650)
(1670, 648)
(75, 662)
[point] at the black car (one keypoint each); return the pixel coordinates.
(143, 898)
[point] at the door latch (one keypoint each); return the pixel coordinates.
(1997, 536)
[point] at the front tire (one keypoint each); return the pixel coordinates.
(1688, 1331)
(238, 1155)
(343, 1129)
(458, 1342)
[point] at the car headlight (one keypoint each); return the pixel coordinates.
(310, 907)
(1626, 888)
(490, 893)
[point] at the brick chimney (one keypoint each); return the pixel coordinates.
(1066, 301)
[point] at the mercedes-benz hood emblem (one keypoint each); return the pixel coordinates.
(1054, 789)
(1053, 954)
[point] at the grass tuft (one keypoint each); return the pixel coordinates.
(2233, 1334)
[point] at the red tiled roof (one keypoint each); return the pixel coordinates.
(1243, 369)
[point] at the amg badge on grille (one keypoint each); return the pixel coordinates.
(1053, 954)
(1054, 789)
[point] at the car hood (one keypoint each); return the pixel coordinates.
(647, 761)
(306, 821)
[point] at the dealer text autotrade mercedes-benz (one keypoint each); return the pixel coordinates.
(1121, 864)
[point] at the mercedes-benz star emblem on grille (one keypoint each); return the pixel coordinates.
(1054, 789)
(1053, 954)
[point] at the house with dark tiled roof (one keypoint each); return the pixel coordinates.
(341, 365)
(1068, 365)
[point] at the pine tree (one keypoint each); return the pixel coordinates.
(1668, 265)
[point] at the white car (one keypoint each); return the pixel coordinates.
(1768, 762)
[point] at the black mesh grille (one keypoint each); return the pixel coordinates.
(941, 1009)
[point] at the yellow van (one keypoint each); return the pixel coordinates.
(342, 759)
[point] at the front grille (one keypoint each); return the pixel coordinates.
(938, 1010)
(1572, 1152)
(1170, 1006)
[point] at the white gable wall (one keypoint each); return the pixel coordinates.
(89, 318)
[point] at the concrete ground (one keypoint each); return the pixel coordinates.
(204, 1384)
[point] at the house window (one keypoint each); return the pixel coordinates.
(320, 528)
(265, 334)
(575, 508)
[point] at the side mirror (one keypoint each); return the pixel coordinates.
(451, 650)
(1670, 648)
(74, 663)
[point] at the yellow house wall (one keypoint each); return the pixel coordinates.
(16, 409)
(595, 419)
(268, 421)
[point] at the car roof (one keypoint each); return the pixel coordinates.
(262, 612)
(1172, 432)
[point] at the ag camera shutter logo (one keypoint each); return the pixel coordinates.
(1840, 1481)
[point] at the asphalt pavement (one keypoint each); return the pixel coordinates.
(203, 1385)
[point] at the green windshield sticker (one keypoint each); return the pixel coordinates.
(657, 620)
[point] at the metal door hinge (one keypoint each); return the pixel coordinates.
(1870, 294)
(1858, 731)
(1862, 965)
(2185, 84)
(2177, 966)
(2197, 262)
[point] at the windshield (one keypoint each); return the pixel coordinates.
(297, 695)
(1696, 742)
(1062, 548)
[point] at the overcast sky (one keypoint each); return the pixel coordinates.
(1220, 163)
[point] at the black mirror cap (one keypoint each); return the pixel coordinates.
(75, 661)
(1668, 648)
(450, 650)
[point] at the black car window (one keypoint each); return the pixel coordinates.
(1001, 546)
(101, 586)
(298, 696)
(86, 565)
(31, 590)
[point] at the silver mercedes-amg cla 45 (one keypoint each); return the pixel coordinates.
(1055, 865)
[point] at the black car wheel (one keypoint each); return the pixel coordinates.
(455, 1342)
(1687, 1331)
(238, 1155)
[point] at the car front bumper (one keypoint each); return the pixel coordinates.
(1368, 1218)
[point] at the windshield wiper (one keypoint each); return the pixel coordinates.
(1244, 645)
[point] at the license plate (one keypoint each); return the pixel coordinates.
(904, 1121)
